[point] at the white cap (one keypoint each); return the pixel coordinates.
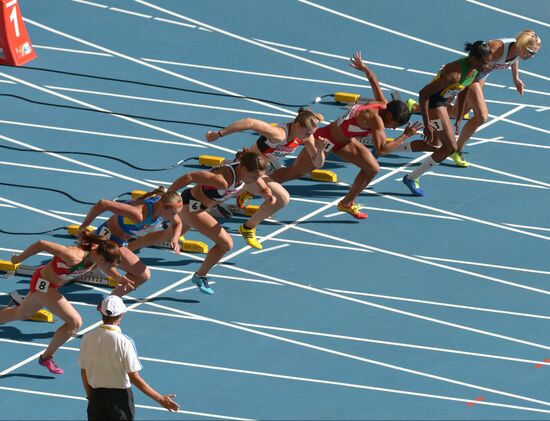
(112, 306)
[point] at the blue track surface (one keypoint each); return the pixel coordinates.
(413, 314)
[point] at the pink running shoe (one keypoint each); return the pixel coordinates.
(50, 364)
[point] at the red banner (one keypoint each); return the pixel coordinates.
(15, 45)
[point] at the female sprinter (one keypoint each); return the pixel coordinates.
(453, 79)
(343, 139)
(505, 54)
(136, 218)
(68, 264)
(212, 188)
(276, 142)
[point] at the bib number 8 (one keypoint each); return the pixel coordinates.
(42, 285)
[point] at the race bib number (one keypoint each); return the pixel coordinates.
(194, 205)
(104, 231)
(328, 147)
(42, 285)
(365, 140)
(437, 124)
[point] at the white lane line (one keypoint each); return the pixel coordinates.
(247, 72)
(398, 311)
(117, 175)
(421, 72)
(389, 66)
(33, 209)
(481, 180)
(299, 378)
(506, 12)
(427, 215)
(307, 243)
(265, 250)
(77, 214)
(152, 66)
(163, 101)
(396, 344)
(276, 44)
(528, 227)
(355, 357)
(439, 304)
(517, 123)
(186, 289)
(400, 34)
(89, 3)
(517, 177)
(267, 47)
(216, 276)
(101, 134)
(9, 82)
(4, 205)
(38, 167)
(154, 408)
(461, 216)
(71, 50)
(531, 91)
(129, 12)
(160, 183)
(173, 22)
(466, 262)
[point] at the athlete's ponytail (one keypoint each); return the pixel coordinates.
(479, 49)
(251, 160)
(308, 119)
(107, 249)
(167, 197)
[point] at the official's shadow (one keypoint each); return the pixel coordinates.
(27, 376)
(10, 332)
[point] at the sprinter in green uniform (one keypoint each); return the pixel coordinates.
(452, 80)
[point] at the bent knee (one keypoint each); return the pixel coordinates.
(225, 243)
(481, 118)
(73, 324)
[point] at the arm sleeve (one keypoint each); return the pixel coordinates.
(131, 359)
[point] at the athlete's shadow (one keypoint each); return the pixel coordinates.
(11, 332)
(28, 376)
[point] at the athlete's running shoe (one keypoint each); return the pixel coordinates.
(413, 185)
(353, 210)
(249, 236)
(458, 158)
(50, 364)
(243, 198)
(202, 283)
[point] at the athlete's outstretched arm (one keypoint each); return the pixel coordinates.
(123, 209)
(43, 246)
(357, 63)
(200, 177)
(265, 129)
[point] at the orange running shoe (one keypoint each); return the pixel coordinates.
(353, 210)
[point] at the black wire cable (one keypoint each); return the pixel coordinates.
(24, 186)
(33, 233)
(179, 163)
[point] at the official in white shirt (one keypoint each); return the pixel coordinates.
(109, 365)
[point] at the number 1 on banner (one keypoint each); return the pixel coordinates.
(13, 16)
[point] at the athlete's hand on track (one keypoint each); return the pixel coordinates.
(15, 259)
(175, 245)
(411, 129)
(519, 86)
(428, 133)
(127, 283)
(457, 124)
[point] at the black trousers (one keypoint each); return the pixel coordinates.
(111, 404)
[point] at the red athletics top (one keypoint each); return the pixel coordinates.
(348, 122)
(68, 273)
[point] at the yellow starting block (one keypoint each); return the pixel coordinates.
(40, 316)
(322, 175)
(346, 97)
(211, 160)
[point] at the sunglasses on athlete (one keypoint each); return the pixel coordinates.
(531, 52)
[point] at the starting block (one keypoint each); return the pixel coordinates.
(322, 175)
(225, 210)
(42, 315)
(317, 175)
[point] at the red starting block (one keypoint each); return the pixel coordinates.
(15, 44)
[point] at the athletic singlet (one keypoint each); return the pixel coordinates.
(451, 91)
(68, 273)
(501, 63)
(348, 122)
(277, 150)
(220, 195)
(139, 229)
